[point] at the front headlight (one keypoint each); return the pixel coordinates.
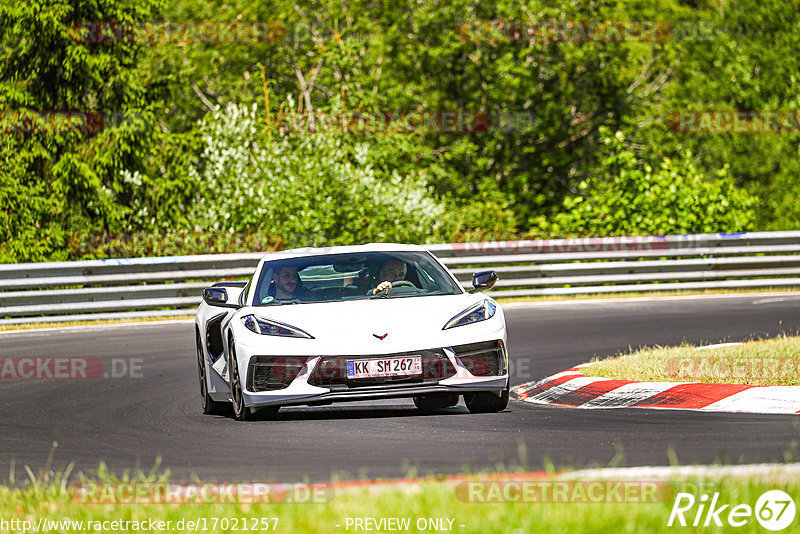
(474, 314)
(259, 325)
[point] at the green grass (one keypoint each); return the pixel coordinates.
(773, 362)
(429, 499)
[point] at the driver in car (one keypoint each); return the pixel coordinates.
(286, 280)
(393, 270)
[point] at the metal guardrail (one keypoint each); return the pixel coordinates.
(168, 286)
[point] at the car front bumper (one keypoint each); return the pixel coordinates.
(300, 391)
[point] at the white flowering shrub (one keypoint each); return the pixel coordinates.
(306, 188)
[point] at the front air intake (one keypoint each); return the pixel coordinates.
(268, 373)
(487, 358)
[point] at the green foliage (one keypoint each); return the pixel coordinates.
(308, 189)
(417, 57)
(178, 164)
(575, 509)
(83, 179)
(743, 57)
(26, 205)
(632, 197)
(486, 216)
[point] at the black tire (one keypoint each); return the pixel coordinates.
(486, 402)
(434, 403)
(210, 406)
(240, 411)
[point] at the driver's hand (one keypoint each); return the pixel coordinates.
(383, 286)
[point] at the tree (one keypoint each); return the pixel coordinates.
(631, 197)
(76, 174)
(306, 189)
(739, 56)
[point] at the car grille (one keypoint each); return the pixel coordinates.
(483, 359)
(268, 373)
(331, 371)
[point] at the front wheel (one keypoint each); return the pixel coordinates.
(240, 411)
(486, 402)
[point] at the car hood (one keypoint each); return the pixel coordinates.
(350, 327)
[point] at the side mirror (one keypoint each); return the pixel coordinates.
(483, 281)
(217, 296)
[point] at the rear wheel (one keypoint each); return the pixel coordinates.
(486, 402)
(240, 411)
(434, 403)
(210, 406)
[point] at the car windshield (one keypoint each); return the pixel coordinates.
(339, 277)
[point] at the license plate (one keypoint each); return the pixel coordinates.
(378, 368)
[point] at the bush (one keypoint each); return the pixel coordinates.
(487, 216)
(26, 205)
(308, 188)
(631, 197)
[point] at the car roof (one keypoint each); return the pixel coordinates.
(319, 251)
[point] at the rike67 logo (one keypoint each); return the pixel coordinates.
(774, 510)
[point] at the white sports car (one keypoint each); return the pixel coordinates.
(378, 321)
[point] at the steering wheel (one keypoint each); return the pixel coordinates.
(395, 285)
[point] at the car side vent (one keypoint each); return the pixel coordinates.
(214, 337)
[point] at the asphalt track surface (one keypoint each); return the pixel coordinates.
(130, 422)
